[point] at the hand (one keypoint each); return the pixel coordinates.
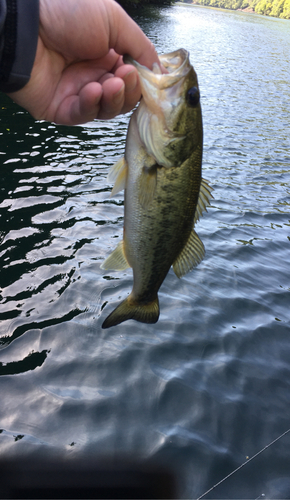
(78, 72)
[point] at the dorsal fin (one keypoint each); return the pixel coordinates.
(190, 256)
(193, 252)
(204, 198)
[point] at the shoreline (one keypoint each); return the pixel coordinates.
(247, 10)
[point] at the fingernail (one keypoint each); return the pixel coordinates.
(130, 81)
(119, 96)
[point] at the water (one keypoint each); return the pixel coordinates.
(209, 384)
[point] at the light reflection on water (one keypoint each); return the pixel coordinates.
(209, 384)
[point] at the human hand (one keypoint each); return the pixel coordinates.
(78, 72)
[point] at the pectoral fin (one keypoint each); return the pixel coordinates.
(190, 256)
(117, 260)
(118, 176)
(147, 185)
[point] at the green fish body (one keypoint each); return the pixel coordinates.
(164, 191)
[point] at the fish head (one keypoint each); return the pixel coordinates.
(169, 115)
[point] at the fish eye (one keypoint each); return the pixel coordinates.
(193, 96)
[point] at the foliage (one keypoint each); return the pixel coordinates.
(275, 8)
(128, 4)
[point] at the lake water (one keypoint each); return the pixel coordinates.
(209, 385)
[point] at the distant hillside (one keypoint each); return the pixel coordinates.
(275, 8)
(143, 3)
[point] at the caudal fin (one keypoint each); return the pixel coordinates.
(130, 309)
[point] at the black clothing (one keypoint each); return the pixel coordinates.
(18, 41)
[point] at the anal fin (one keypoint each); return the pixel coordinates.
(117, 260)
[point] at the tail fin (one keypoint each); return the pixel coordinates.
(131, 309)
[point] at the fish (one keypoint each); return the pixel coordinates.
(165, 194)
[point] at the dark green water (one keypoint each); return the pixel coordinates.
(209, 384)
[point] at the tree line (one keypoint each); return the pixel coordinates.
(129, 4)
(276, 8)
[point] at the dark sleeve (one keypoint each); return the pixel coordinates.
(18, 41)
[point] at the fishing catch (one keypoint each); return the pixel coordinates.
(165, 194)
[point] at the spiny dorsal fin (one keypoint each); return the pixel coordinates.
(118, 176)
(190, 256)
(147, 185)
(117, 260)
(203, 199)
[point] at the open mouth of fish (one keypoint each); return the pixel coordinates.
(175, 63)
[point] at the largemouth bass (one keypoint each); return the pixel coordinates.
(164, 192)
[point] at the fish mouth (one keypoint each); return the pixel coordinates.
(176, 63)
(161, 104)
